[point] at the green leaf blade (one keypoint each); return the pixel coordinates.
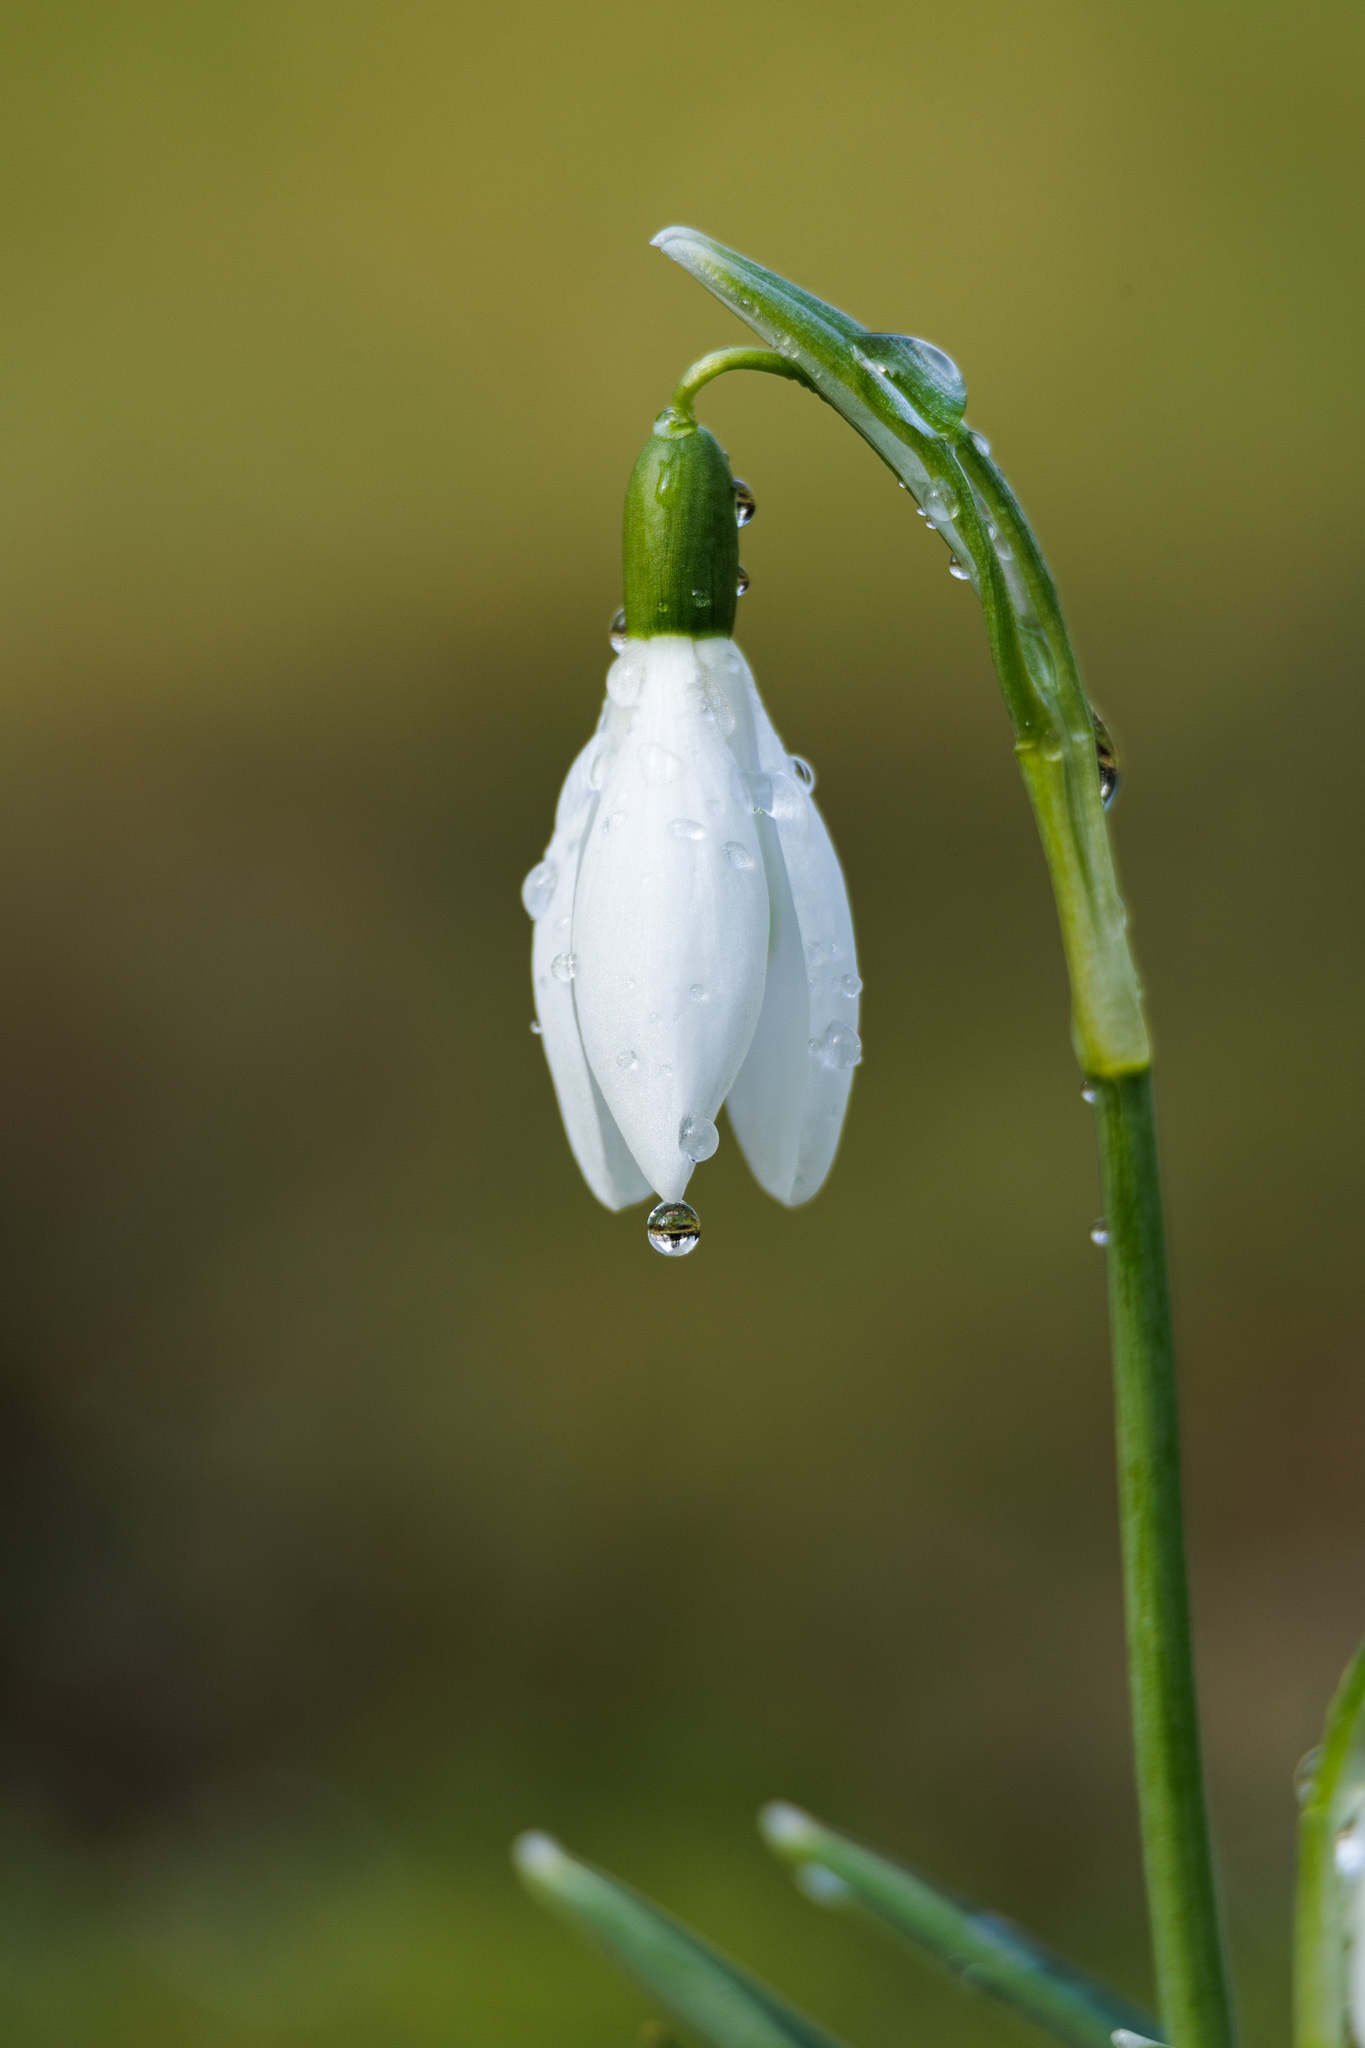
(694, 1982)
(1333, 1805)
(987, 1951)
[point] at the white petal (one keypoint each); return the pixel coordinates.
(787, 1105)
(597, 1144)
(670, 924)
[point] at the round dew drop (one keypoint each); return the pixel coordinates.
(738, 854)
(1099, 1232)
(563, 966)
(840, 1048)
(673, 1228)
(698, 1138)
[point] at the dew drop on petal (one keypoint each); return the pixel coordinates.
(617, 634)
(537, 891)
(1099, 1232)
(840, 1048)
(564, 966)
(959, 570)
(803, 772)
(626, 678)
(698, 992)
(535, 1029)
(673, 1228)
(738, 854)
(851, 985)
(741, 581)
(686, 828)
(627, 1062)
(698, 1137)
(658, 764)
(745, 507)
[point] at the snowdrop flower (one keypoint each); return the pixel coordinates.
(693, 944)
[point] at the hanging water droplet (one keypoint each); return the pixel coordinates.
(537, 891)
(803, 772)
(979, 442)
(940, 502)
(741, 581)
(657, 764)
(627, 1062)
(564, 966)
(617, 633)
(1106, 760)
(745, 507)
(686, 828)
(840, 1048)
(1306, 1775)
(959, 570)
(738, 854)
(698, 1137)
(1090, 1093)
(535, 1029)
(1099, 1232)
(673, 1228)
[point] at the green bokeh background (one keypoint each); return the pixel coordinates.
(369, 1493)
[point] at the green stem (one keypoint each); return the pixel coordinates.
(723, 359)
(1191, 1975)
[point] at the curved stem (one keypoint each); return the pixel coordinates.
(1192, 1980)
(722, 359)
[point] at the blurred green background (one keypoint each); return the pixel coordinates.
(370, 1494)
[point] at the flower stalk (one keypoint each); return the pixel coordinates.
(908, 401)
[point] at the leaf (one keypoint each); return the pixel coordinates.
(1331, 1860)
(685, 1974)
(987, 1951)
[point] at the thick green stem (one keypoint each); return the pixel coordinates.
(1191, 1974)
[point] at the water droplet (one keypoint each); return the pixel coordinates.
(775, 796)
(1099, 1232)
(840, 1048)
(979, 442)
(674, 1229)
(537, 891)
(698, 1137)
(813, 1047)
(701, 599)
(613, 821)
(738, 854)
(617, 633)
(564, 966)
(745, 507)
(698, 993)
(940, 502)
(535, 1029)
(815, 952)
(1350, 1852)
(1106, 760)
(627, 1062)
(803, 772)
(851, 985)
(626, 678)
(959, 570)
(926, 376)
(1003, 551)
(741, 581)
(658, 764)
(687, 828)
(1090, 1093)
(1306, 1775)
